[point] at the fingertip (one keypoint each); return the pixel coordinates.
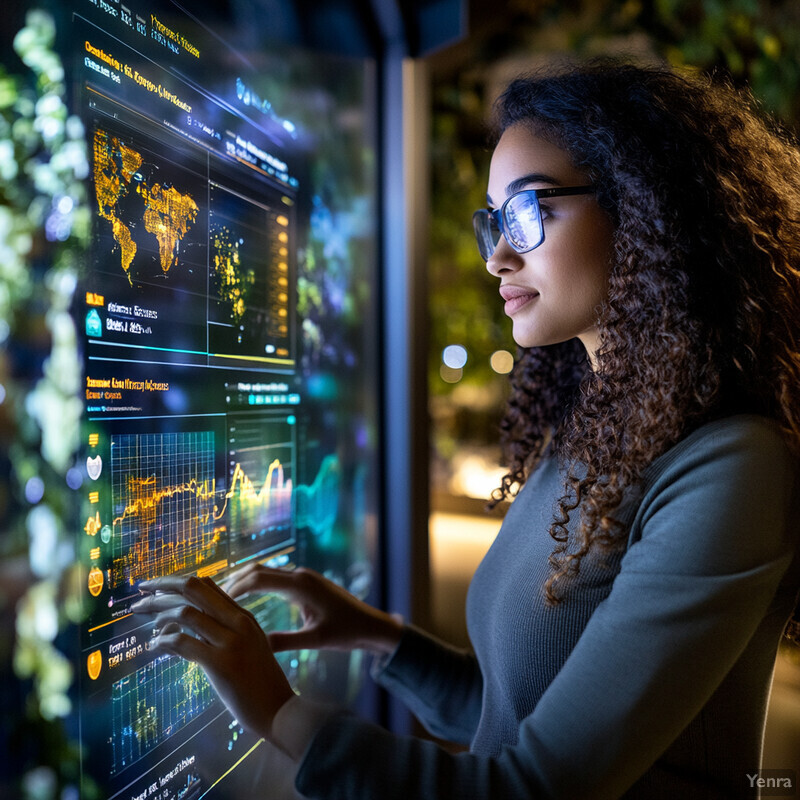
(150, 586)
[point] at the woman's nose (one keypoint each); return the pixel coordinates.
(504, 259)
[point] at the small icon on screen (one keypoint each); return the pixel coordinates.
(94, 466)
(93, 525)
(94, 325)
(94, 664)
(95, 581)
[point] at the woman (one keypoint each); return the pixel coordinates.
(645, 231)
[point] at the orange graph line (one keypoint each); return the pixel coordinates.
(247, 489)
(145, 503)
(193, 541)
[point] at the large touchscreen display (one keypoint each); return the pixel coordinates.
(227, 314)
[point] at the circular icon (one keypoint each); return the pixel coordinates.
(94, 664)
(105, 534)
(95, 581)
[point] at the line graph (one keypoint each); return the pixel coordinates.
(153, 703)
(259, 500)
(317, 505)
(268, 505)
(163, 493)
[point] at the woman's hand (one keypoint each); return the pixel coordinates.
(198, 621)
(332, 617)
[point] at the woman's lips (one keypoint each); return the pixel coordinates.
(516, 297)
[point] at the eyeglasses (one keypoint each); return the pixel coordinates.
(519, 219)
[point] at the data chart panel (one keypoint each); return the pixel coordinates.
(227, 313)
(152, 704)
(260, 495)
(163, 500)
(250, 238)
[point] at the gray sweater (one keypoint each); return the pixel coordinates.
(650, 681)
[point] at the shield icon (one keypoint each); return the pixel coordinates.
(94, 466)
(94, 664)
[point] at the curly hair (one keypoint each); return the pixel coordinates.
(702, 317)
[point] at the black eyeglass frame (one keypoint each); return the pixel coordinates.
(486, 221)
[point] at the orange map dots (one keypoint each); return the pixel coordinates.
(234, 283)
(114, 167)
(168, 214)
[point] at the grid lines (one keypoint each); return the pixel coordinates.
(163, 492)
(152, 704)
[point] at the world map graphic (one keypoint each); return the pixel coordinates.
(167, 213)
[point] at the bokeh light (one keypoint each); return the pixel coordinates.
(449, 374)
(34, 490)
(454, 356)
(502, 361)
(74, 478)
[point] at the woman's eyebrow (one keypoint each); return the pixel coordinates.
(534, 177)
(526, 180)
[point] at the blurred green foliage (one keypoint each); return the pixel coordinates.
(44, 231)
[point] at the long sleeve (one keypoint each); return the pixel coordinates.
(440, 684)
(702, 592)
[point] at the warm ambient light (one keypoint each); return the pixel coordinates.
(502, 361)
(449, 374)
